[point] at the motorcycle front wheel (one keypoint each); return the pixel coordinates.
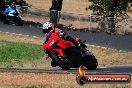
(91, 62)
(61, 62)
(18, 21)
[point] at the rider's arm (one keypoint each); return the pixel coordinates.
(47, 36)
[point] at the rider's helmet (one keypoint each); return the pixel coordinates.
(47, 27)
(12, 5)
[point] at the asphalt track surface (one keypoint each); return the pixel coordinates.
(101, 39)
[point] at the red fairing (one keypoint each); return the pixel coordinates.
(59, 51)
(55, 41)
(77, 39)
(65, 44)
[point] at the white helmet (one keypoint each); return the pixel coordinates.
(47, 27)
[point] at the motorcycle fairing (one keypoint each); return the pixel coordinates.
(57, 44)
(60, 52)
(10, 11)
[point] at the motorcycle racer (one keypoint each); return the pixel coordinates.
(3, 5)
(63, 50)
(48, 30)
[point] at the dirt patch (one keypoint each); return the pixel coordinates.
(70, 6)
(26, 79)
(33, 18)
(73, 9)
(20, 38)
(43, 80)
(79, 25)
(110, 56)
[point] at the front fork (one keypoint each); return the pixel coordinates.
(59, 51)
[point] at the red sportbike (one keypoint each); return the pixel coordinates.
(66, 54)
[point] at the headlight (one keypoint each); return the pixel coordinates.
(87, 53)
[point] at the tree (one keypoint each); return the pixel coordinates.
(110, 9)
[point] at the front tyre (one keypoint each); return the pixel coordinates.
(92, 67)
(60, 61)
(92, 63)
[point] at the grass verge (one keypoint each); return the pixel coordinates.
(14, 54)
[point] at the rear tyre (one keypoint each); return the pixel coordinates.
(60, 61)
(6, 22)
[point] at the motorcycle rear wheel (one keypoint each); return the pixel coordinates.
(59, 61)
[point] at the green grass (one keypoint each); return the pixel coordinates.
(20, 54)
